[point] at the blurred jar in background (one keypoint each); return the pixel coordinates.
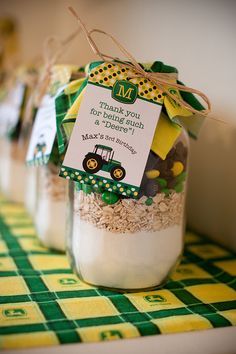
(15, 135)
(12, 179)
(13, 170)
(50, 216)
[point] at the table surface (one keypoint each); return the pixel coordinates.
(43, 304)
(214, 341)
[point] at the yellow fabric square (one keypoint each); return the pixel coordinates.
(154, 300)
(25, 231)
(11, 220)
(191, 237)
(108, 332)
(208, 251)
(3, 247)
(12, 209)
(228, 266)
(20, 313)
(87, 307)
(165, 136)
(73, 86)
(212, 292)
(13, 286)
(71, 114)
(229, 315)
(63, 282)
(6, 264)
(189, 271)
(28, 340)
(31, 244)
(183, 323)
(47, 262)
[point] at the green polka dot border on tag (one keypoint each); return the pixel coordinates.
(99, 183)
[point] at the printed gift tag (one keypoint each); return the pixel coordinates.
(10, 109)
(114, 129)
(43, 133)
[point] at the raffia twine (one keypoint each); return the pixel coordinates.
(162, 80)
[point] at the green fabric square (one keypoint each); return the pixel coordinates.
(8, 274)
(61, 325)
(202, 309)
(226, 305)
(174, 285)
(225, 278)
(35, 284)
(122, 304)
(217, 320)
(22, 262)
(13, 299)
(43, 296)
(23, 329)
(28, 272)
(168, 313)
(68, 337)
(135, 317)
(233, 284)
(98, 321)
(186, 297)
(51, 310)
(16, 252)
(147, 329)
(189, 282)
(193, 258)
(76, 294)
(211, 268)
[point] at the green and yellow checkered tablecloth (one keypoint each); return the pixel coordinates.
(42, 303)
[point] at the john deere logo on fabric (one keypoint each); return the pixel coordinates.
(184, 271)
(109, 335)
(67, 281)
(124, 91)
(13, 313)
(154, 298)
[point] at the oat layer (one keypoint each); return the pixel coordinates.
(51, 185)
(129, 215)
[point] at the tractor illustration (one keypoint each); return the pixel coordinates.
(102, 159)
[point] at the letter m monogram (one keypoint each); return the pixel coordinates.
(124, 91)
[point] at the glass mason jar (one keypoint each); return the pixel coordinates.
(50, 219)
(13, 169)
(130, 244)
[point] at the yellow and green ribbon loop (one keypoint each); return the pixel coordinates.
(173, 118)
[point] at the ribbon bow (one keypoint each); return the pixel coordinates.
(162, 80)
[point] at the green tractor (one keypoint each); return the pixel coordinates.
(102, 159)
